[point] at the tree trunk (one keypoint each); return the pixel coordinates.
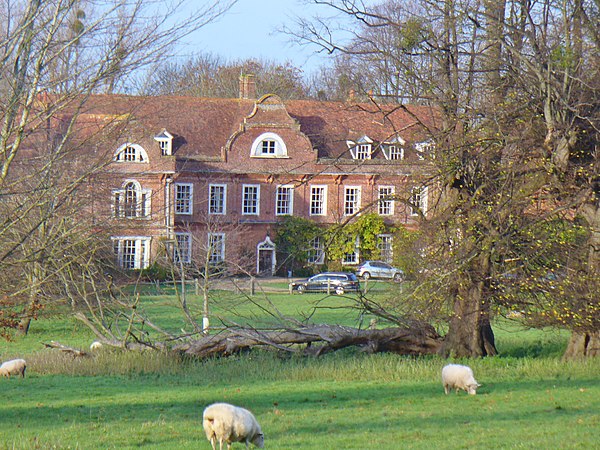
(417, 339)
(470, 333)
(583, 345)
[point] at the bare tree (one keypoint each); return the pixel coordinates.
(207, 75)
(53, 55)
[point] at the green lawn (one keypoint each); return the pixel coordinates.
(348, 400)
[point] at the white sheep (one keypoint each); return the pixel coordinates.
(457, 376)
(227, 423)
(13, 367)
(95, 345)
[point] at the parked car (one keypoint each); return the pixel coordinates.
(379, 269)
(338, 282)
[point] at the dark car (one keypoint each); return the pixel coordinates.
(379, 269)
(338, 282)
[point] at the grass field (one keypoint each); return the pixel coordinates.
(348, 400)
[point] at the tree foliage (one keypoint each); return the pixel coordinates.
(515, 149)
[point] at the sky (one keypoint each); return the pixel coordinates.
(249, 30)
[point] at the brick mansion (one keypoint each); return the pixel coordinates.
(218, 174)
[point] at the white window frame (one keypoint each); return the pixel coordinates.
(257, 150)
(183, 250)
(216, 254)
(385, 205)
(130, 153)
(120, 201)
(184, 206)
(321, 206)
(385, 244)
(395, 152)
(284, 203)
(316, 251)
(220, 209)
(352, 200)
(361, 149)
(425, 149)
(418, 200)
(141, 251)
(165, 141)
(250, 207)
(354, 257)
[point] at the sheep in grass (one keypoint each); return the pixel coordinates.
(13, 367)
(96, 345)
(227, 423)
(457, 376)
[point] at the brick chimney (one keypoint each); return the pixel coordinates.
(247, 86)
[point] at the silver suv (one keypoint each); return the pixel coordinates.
(379, 269)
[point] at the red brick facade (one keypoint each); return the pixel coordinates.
(223, 171)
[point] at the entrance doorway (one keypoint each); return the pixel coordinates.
(265, 258)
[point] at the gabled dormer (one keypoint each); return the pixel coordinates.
(165, 141)
(362, 148)
(393, 149)
(425, 150)
(268, 145)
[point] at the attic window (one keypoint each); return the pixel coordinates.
(165, 141)
(425, 149)
(395, 152)
(361, 149)
(130, 153)
(393, 149)
(268, 145)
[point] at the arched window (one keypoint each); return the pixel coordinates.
(131, 153)
(268, 145)
(131, 201)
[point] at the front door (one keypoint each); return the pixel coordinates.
(265, 262)
(265, 257)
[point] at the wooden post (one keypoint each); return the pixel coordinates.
(252, 285)
(196, 286)
(328, 287)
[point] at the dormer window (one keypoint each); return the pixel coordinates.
(268, 145)
(362, 149)
(425, 149)
(131, 153)
(165, 141)
(393, 150)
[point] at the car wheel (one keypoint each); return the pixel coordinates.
(301, 289)
(398, 278)
(366, 275)
(339, 290)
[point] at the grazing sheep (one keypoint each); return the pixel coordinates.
(95, 345)
(457, 376)
(13, 367)
(227, 423)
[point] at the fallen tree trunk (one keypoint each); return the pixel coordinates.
(75, 352)
(416, 339)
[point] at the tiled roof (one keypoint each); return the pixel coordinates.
(202, 126)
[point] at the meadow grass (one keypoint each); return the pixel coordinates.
(530, 398)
